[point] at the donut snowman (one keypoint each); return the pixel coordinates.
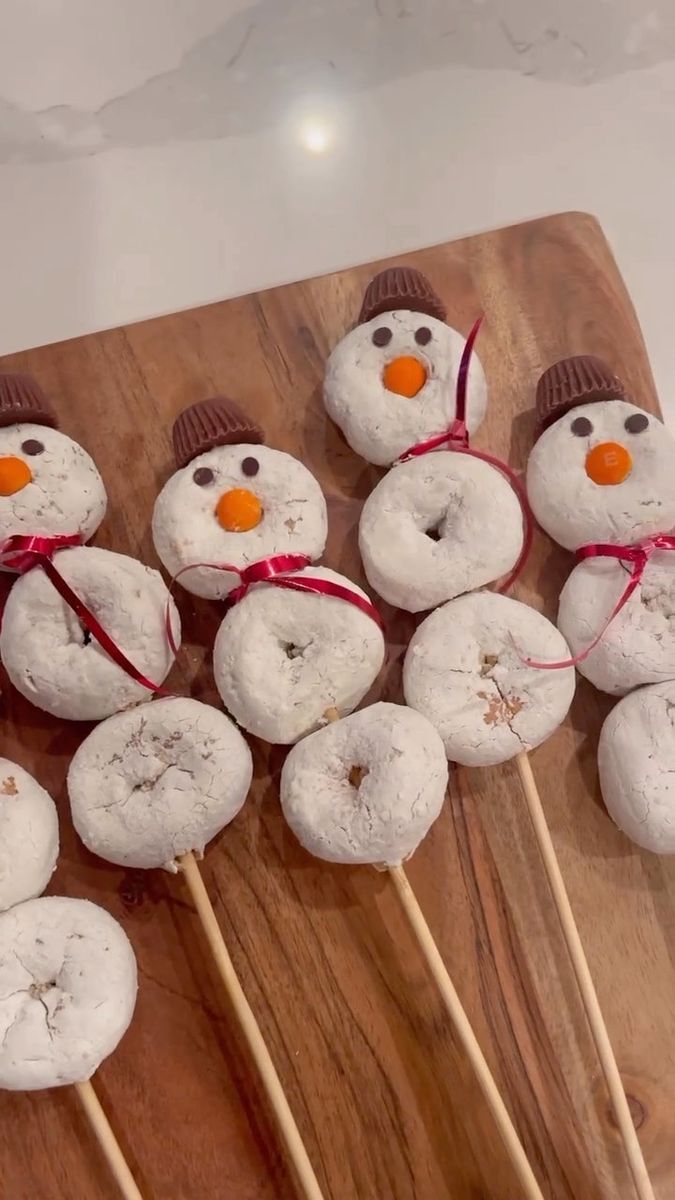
(50, 488)
(391, 381)
(427, 531)
(602, 471)
(283, 655)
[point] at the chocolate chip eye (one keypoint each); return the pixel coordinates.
(382, 336)
(250, 466)
(636, 423)
(32, 446)
(422, 335)
(581, 427)
(203, 476)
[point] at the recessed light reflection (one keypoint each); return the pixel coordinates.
(316, 136)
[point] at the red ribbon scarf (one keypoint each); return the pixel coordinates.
(279, 570)
(20, 553)
(637, 555)
(456, 438)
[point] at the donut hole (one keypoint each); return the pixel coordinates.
(356, 776)
(86, 636)
(291, 650)
(434, 532)
(488, 663)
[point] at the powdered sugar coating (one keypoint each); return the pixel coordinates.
(57, 665)
(150, 784)
(573, 509)
(67, 991)
(471, 507)
(638, 647)
(281, 658)
(186, 530)
(464, 671)
(636, 761)
(29, 835)
(380, 425)
(66, 494)
(382, 816)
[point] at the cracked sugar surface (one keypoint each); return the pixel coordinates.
(464, 671)
(67, 991)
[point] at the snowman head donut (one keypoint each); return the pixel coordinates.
(602, 469)
(232, 500)
(391, 382)
(48, 484)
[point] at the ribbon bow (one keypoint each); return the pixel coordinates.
(638, 555)
(279, 570)
(456, 438)
(21, 553)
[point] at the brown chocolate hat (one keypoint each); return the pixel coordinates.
(210, 423)
(571, 382)
(401, 287)
(22, 401)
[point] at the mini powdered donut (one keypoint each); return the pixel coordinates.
(437, 526)
(638, 647)
(233, 500)
(636, 761)
(281, 658)
(48, 484)
(29, 835)
(366, 789)
(602, 470)
(57, 664)
(464, 671)
(67, 991)
(153, 783)
(391, 382)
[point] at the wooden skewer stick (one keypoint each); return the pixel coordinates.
(251, 1030)
(465, 1033)
(107, 1140)
(589, 996)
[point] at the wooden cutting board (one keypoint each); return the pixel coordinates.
(384, 1098)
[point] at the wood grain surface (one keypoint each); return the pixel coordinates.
(385, 1101)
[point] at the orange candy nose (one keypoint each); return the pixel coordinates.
(610, 462)
(405, 375)
(15, 474)
(239, 510)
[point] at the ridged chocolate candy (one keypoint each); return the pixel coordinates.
(211, 423)
(401, 287)
(572, 382)
(22, 402)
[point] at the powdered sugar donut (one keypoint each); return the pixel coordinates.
(232, 500)
(67, 991)
(57, 664)
(464, 671)
(636, 760)
(29, 835)
(281, 658)
(391, 382)
(602, 470)
(638, 647)
(150, 784)
(48, 484)
(437, 526)
(365, 789)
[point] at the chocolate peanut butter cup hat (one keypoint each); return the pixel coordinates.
(23, 402)
(572, 382)
(210, 423)
(401, 287)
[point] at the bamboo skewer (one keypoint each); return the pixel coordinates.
(465, 1033)
(584, 979)
(460, 1022)
(107, 1140)
(251, 1030)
